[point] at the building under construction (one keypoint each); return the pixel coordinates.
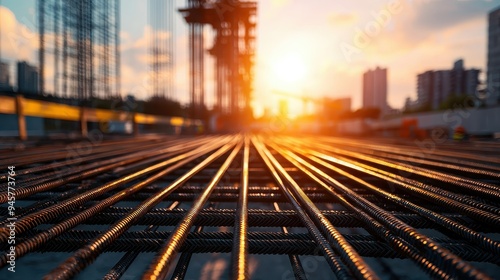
(233, 23)
(79, 47)
(161, 47)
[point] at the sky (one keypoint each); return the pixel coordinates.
(316, 48)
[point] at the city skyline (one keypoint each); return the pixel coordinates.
(436, 86)
(250, 139)
(493, 69)
(403, 43)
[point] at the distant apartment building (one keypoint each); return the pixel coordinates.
(411, 105)
(436, 86)
(5, 77)
(27, 78)
(493, 64)
(441, 87)
(425, 87)
(375, 89)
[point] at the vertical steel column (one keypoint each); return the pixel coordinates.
(234, 63)
(160, 19)
(21, 120)
(201, 70)
(0, 36)
(89, 29)
(41, 50)
(117, 49)
(83, 122)
(90, 56)
(65, 76)
(192, 68)
(233, 53)
(79, 51)
(171, 48)
(56, 45)
(217, 64)
(105, 34)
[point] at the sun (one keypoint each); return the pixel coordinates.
(289, 70)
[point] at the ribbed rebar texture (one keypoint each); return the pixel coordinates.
(144, 207)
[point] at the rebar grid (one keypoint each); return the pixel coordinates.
(345, 200)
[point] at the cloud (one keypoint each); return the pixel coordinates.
(279, 3)
(440, 14)
(423, 35)
(426, 21)
(136, 73)
(426, 34)
(337, 19)
(18, 41)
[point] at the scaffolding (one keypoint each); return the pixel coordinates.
(82, 39)
(234, 25)
(161, 46)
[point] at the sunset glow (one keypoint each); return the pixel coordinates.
(289, 70)
(319, 49)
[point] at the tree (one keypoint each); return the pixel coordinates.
(162, 106)
(453, 101)
(362, 113)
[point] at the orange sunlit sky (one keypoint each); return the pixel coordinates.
(314, 48)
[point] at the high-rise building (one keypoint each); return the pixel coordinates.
(493, 74)
(471, 81)
(5, 77)
(434, 87)
(457, 76)
(375, 89)
(27, 78)
(425, 88)
(441, 87)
